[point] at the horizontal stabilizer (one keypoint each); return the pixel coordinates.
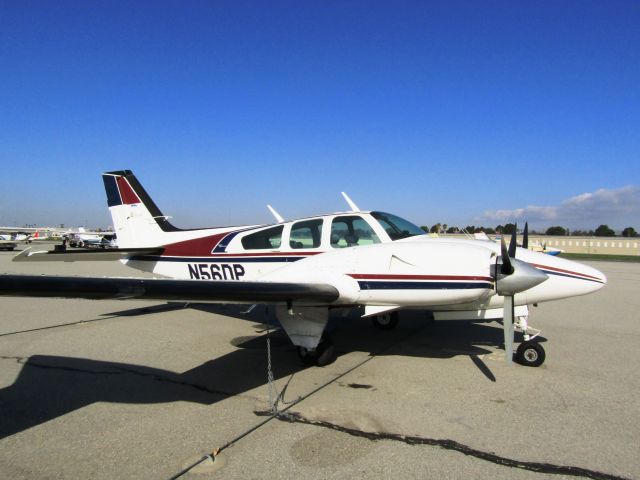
(31, 255)
(164, 289)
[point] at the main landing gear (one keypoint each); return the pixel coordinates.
(385, 321)
(322, 355)
(529, 353)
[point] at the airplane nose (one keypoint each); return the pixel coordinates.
(590, 279)
(594, 279)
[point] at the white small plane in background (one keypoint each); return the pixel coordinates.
(535, 247)
(18, 236)
(83, 238)
(360, 259)
(9, 237)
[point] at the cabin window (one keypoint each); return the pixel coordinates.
(396, 227)
(350, 231)
(306, 234)
(264, 239)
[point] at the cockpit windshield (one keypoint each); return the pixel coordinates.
(396, 227)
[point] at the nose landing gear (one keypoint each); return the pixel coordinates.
(529, 353)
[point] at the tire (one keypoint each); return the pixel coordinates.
(530, 354)
(385, 321)
(324, 354)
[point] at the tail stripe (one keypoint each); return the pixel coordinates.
(126, 192)
(111, 187)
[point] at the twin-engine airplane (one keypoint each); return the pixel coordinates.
(308, 266)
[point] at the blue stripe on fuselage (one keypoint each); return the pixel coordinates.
(216, 259)
(568, 275)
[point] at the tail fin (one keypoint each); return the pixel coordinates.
(137, 221)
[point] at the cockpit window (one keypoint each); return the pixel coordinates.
(396, 227)
(352, 230)
(306, 234)
(269, 238)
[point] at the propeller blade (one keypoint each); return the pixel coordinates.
(507, 325)
(512, 243)
(506, 268)
(525, 235)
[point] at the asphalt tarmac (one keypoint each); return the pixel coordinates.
(141, 389)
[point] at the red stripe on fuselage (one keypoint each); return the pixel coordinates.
(560, 270)
(204, 246)
(196, 247)
(266, 254)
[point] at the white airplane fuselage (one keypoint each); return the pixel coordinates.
(420, 271)
(372, 258)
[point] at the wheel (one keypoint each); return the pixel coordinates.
(385, 321)
(80, 244)
(530, 354)
(322, 355)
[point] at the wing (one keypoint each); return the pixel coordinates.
(63, 255)
(161, 289)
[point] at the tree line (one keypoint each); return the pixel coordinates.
(509, 229)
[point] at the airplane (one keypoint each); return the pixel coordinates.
(16, 237)
(306, 267)
(9, 239)
(84, 238)
(23, 233)
(536, 247)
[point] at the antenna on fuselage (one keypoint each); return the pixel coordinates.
(279, 218)
(352, 205)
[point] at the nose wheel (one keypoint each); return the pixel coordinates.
(530, 354)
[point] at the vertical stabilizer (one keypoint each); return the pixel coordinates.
(137, 221)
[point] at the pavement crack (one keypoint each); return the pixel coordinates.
(539, 467)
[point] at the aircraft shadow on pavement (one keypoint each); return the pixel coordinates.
(48, 386)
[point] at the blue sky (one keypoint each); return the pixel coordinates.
(460, 112)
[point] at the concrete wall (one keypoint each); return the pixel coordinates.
(596, 245)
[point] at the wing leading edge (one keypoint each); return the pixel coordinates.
(161, 289)
(108, 254)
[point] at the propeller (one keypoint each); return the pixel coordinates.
(513, 276)
(525, 236)
(512, 242)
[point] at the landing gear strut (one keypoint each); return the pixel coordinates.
(322, 355)
(529, 353)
